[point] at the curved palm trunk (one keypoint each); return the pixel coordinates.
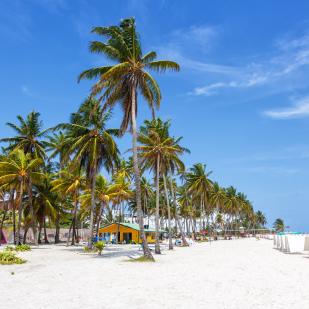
(147, 253)
(157, 216)
(92, 209)
(183, 238)
(20, 211)
(170, 241)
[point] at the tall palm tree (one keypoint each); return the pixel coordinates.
(160, 153)
(122, 82)
(29, 135)
(92, 145)
(21, 170)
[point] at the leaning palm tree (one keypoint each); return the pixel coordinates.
(22, 171)
(29, 135)
(92, 145)
(122, 82)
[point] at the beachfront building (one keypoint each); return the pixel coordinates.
(127, 233)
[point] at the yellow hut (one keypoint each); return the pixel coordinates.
(127, 233)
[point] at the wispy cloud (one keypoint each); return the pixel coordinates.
(291, 55)
(201, 39)
(299, 109)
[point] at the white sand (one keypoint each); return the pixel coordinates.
(240, 274)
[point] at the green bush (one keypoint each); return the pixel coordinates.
(18, 248)
(9, 257)
(99, 246)
(22, 248)
(88, 250)
(9, 248)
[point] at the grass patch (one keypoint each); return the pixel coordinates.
(9, 258)
(142, 259)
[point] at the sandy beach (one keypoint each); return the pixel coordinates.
(243, 273)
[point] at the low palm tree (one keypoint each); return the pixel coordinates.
(199, 185)
(279, 225)
(123, 81)
(70, 181)
(21, 170)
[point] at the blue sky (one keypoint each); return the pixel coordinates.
(241, 100)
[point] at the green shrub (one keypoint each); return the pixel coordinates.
(23, 248)
(88, 250)
(99, 246)
(9, 248)
(9, 257)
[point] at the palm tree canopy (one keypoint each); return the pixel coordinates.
(156, 143)
(88, 140)
(123, 46)
(20, 167)
(29, 135)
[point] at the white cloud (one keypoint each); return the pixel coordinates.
(299, 109)
(291, 56)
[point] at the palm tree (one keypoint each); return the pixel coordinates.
(29, 136)
(279, 225)
(199, 185)
(103, 195)
(159, 152)
(21, 170)
(70, 182)
(121, 193)
(58, 146)
(122, 82)
(92, 145)
(260, 218)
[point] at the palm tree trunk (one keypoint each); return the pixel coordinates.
(92, 207)
(57, 223)
(13, 214)
(99, 218)
(147, 253)
(45, 232)
(183, 238)
(20, 211)
(25, 235)
(170, 241)
(32, 213)
(5, 210)
(157, 216)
